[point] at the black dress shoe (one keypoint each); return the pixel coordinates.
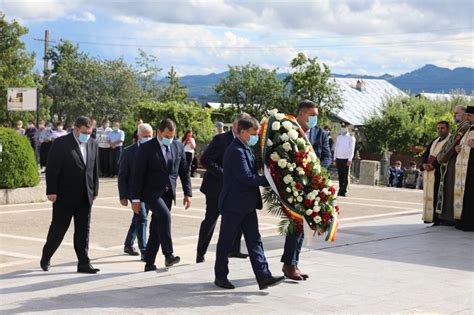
(270, 282)
(150, 268)
(131, 251)
(44, 265)
(224, 283)
(200, 259)
(171, 260)
(238, 255)
(142, 258)
(87, 269)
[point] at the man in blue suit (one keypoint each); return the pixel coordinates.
(126, 168)
(308, 119)
(211, 186)
(158, 164)
(238, 201)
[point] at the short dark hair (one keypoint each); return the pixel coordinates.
(306, 104)
(443, 122)
(246, 123)
(167, 123)
(83, 121)
(412, 163)
(104, 120)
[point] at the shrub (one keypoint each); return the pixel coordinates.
(17, 161)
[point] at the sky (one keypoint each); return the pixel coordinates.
(204, 36)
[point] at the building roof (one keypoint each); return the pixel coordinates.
(360, 105)
(442, 97)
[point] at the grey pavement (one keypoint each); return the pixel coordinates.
(383, 261)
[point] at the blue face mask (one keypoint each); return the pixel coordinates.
(253, 140)
(145, 139)
(166, 141)
(83, 137)
(312, 121)
(343, 130)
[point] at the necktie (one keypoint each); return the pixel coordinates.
(169, 158)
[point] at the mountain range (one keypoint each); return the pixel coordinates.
(429, 78)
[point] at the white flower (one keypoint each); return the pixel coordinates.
(287, 125)
(279, 116)
(273, 112)
(290, 200)
(285, 137)
(317, 219)
(293, 134)
(295, 193)
(301, 141)
(288, 189)
(287, 179)
(317, 199)
(275, 157)
(316, 208)
(312, 156)
(299, 199)
(308, 212)
(286, 146)
(325, 191)
(317, 168)
(330, 183)
(276, 126)
(269, 142)
(282, 163)
(301, 172)
(291, 169)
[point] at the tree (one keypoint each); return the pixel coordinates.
(309, 80)
(174, 91)
(148, 72)
(250, 88)
(16, 65)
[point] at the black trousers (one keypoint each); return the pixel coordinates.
(114, 158)
(343, 175)
(189, 160)
(208, 225)
(62, 216)
(104, 161)
(44, 152)
(160, 228)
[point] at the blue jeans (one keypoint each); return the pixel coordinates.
(138, 229)
(292, 249)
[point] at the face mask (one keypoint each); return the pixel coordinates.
(114, 129)
(48, 128)
(343, 130)
(60, 128)
(145, 139)
(19, 126)
(166, 141)
(30, 126)
(312, 121)
(84, 137)
(253, 140)
(397, 168)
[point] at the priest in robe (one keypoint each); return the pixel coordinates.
(431, 173)
(464, 178)
(447, 159)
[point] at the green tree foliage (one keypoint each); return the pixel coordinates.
(404, 123)
(308, 79)
(16, 66)
(250, 88)
(174, 91)
(148, 72)
(18, 162)
(81, 85)
(186, 115)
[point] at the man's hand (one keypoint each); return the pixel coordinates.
(187, 202)
(136, 207)
(52, 198)
(458, 149)
(124, 202)
(349, 163)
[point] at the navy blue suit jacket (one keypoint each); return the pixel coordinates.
(240, 192)
(126, 169)
(319, 139)
(151, 176)
(212, 159)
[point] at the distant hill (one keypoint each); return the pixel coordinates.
(429, 78)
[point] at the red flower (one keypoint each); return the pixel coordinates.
(323, 197)
(308, 203)
(326, 217)
(298, 185)
(332, 190)
(314, 214)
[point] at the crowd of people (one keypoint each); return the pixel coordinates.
(148, 171)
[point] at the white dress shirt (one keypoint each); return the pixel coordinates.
(82, 148)
(344, 147)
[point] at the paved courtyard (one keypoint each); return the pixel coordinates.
(384, 261)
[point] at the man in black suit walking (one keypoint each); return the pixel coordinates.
(211, 186)
(72, 184)
(159, 162)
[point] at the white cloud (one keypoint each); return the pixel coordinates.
(37, 10)
(84, 17)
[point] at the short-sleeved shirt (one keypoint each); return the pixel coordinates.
(187, 147)
(103, 137)
(117, 135)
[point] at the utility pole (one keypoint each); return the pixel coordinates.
(45, 73)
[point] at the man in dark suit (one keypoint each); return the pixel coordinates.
(159, 162)
(238, 201)
(126, 168)
(72, 184)
(307, 118)
(211, 186)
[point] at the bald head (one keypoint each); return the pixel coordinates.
(459, 112)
